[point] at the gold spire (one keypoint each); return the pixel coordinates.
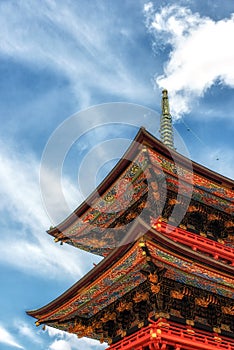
(166, 129)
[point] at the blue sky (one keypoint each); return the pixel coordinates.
(58, 58)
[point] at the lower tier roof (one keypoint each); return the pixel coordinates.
(150, 264)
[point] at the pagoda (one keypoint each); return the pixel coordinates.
(165, 228)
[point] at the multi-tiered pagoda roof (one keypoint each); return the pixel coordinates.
(165, 228)
(153, 265)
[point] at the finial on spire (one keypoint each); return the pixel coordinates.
(165, 103)
(166, 129)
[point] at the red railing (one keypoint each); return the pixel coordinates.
(196, 242)
(161, 334)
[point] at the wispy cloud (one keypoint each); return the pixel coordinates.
(79, 46)
(201, 53)
(25, 245)
(66, 341)
(8, 339)
(28, 332)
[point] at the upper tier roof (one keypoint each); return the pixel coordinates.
(147, 165)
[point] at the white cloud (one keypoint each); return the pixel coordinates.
(148, 7)
(7, 338)
(27, 331)
(54, 332)
(70, 341)
(60, 345)
(202, 53)
(25, 245)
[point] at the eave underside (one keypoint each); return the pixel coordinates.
(145, 185)
(151, 272)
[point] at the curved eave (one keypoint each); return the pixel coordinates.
(104, 185)
(143, 137)
(176, 249)
(91, 276)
